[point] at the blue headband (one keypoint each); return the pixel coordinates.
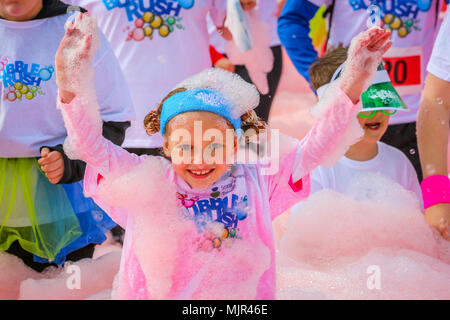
(198, 100)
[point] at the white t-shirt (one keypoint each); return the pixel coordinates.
(154, 66)
(389, 161)
(413, 31)
(439, 64)
(29, 118)
(267, 11)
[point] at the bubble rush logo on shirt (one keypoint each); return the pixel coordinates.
(216, 218)
(151, 16)
(23, 81)
(396, 15)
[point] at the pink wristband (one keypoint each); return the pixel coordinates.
(435, 189)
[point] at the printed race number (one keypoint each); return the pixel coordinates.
(404, 66)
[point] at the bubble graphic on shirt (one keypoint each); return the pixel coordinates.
(11, 96)
(217, 242)
(225, 233)
(20, 90)
(148, 16)
(412, 151)
(186, 4)
(46, 73)
(157, 22)
(402, 26)
(29, 95)
(138, 34)
(24, 89)
(164, 31)
(17, 85)
(151, 23)
(148, 32)
(139, 23)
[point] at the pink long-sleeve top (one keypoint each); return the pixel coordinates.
(239, 261)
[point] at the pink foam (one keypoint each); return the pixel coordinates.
(96, 275)
(334, 242)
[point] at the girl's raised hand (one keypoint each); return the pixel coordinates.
(364, 56)
(74, 56)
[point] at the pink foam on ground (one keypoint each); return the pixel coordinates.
(96, 275)
(13, 273)
(337, 245)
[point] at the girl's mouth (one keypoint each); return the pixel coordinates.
(373, 126)
(200, 174)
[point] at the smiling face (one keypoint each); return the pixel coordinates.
(20, 10)
(197, 144)
(374, 127)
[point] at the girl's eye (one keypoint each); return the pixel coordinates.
(185, 147)
(215, 146)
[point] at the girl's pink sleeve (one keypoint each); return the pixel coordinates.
(85, 142)
(333, 132)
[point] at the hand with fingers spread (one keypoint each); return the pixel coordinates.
(52, 163)
(364, 56)
(74, 56)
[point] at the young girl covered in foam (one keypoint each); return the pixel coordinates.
(199, 226)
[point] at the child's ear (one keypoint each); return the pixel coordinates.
(166, 147)
(235, 145)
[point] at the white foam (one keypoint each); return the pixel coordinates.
(243, 95)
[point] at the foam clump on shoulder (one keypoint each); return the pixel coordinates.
(332, 240)
(243, 95)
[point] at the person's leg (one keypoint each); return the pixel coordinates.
(403, 137)
(82, 253)
(27, 257)
(273, 78)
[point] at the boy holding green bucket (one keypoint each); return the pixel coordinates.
(379, 102)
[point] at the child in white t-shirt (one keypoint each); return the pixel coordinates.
(369, 154)
(45, 219)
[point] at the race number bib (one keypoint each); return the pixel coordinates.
(404, 66)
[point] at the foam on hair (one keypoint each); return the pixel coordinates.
(243, 95)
